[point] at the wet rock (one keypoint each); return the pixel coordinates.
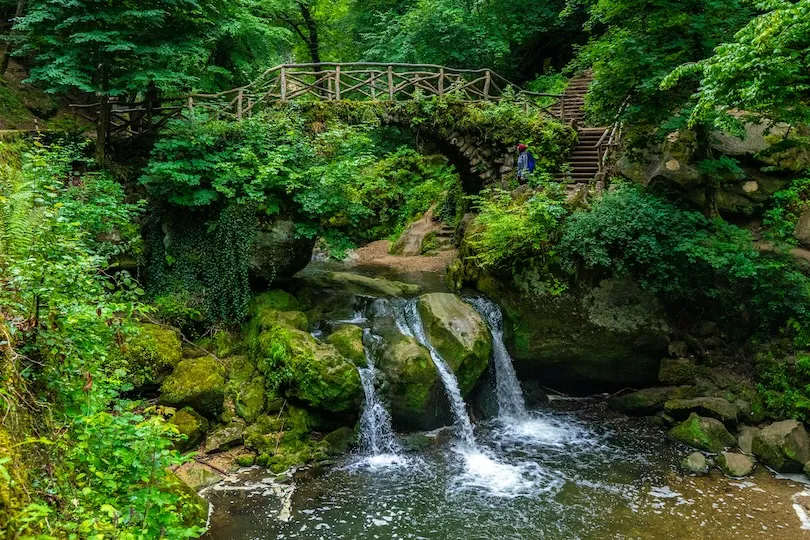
(695, 463)
(415, 442)
(745, 439)
(278, 252)
(348, 340)
(676, 371)
(713, 407)
(735, 465)
(152, 354)
(198, 475)
(783, 446)
(703, 433)
(649, 400)
(460, 335)
(346, 282)
(198, 383)
(190, 424)
(339, 440)
(802, 230)
(533, 393)
(225, 437)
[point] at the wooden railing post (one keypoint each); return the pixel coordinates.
(337, 83)
(441, 82)
(190, 104)
(239, 99)
(390, 83)
(487, 83)
(373, 76)
(283, 83)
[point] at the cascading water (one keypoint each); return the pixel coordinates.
(410, 323)
(507, 387)
(376, 435)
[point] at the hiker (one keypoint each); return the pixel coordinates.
(525, 163)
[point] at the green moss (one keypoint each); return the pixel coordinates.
(285, 440)
(245, 460)
(13, 481)
(240, 369)
(411, 376)
(152, 353)
(348, 340)
(250, 399)
(703, 433)
(190, 424)
(13, 114)
(275, 300)
(339, 440)
(457, 331)
(316, 372)
(192, 508)
(198, 383)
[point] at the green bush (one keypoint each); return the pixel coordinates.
(784, 384)
(788, 206)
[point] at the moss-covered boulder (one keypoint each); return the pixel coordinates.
(713, 407)
(198, 383)
(703, 433)
(783, 446)
(152, 353)
(285, 440)
(193, 509)
(695, 463)
(225, 436)
(191, 424)
(609, 336)
(317, 373)
(240, 369)
(348, 340)
(250, 399)
(676, 371)
(413, 388)
(459, 334)
(735, 465)
(339, 440)
(649, 400)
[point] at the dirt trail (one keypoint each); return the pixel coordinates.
(377, 254)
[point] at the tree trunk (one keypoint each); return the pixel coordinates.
(103, 125)
(6, 55)
(313, 42)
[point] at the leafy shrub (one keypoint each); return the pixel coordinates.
(685, 258)
(784, 384)
(788, 206)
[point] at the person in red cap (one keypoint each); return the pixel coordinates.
(525, 162)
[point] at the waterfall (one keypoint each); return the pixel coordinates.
(410, 323)
(507, 386)
(376, 435)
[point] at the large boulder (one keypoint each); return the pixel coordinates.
(152, 353)
(676, 371)
(735, 465)
(358, 284)
(190, 424)
(609, 336)
(459, 334)
(348, 340)
(649, 400)
(198, 383)
(317, 373)
(278, 252)
(712, 407)
(783, 446)
(703, 433)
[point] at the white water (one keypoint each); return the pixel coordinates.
(410, 323)
(511, 404)
(377, 438)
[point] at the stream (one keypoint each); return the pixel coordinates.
(566, 469)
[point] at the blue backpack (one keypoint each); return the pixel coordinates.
(530, 162)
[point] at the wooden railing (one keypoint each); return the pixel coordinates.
(317, 82)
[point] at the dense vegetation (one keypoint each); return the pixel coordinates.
(91, 248)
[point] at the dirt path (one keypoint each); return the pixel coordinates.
(377, 254)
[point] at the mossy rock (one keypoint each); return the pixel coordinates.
(245, 460)
(225, 437)
(735, 465)
(152, 353)
(193, 509)
(413, 388)
(340, 440)
(198, 383)
(783, 446)
(250, 399)
(713, 407)
(459, 334)
(348, 340)
(360, 285)
(276, 300)
(192, 425)
(13, 495)
(285, 440)
(703, 433)
(676, 371)
(318, 374)
(695, 463)
(241, 369)
(649, 400)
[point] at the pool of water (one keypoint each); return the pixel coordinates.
(581, 473)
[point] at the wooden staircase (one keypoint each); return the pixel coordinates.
(582, 164)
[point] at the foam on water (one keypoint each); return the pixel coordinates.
(483, 474)
(556, 432)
